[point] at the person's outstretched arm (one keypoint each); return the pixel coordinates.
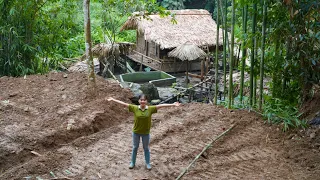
(118, 101)
(168, 105)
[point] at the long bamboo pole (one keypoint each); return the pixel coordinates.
(225, 44)
(230, 92)
(252, 60)
(244, 50)
(223, 13)
(204, 149)
(262, 51)
(217, 60)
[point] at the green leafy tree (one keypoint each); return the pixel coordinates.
(37, 36)
(17, 46)
(288, 47)
(173, 4)
(34, 35)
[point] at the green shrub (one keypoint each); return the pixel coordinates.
(279, 111)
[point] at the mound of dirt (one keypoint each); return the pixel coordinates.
(42, 112)
(52, 129)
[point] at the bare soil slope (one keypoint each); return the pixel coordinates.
(51, 127)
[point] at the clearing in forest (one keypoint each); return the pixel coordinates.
(51, 127)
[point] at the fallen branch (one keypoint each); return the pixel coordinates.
(204, 149)
(35, 153)
(195, 75)
(61, 178)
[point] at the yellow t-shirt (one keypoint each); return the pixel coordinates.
(142, 119)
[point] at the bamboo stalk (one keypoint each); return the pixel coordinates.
(204, 149)
(252, 59)
(225, 44)
(230, 91)
(244, 50)
(216, 59)
(262, 52)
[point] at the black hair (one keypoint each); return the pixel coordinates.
(143, 96)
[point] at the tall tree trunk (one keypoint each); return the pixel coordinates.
(88, 44)
(230, 95)
(264, 23)
(216, 62)
(244, 49)
(252, 52)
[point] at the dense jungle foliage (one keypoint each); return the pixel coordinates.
(37, 36)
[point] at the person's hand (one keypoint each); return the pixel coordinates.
(110, 99)
(176, 104)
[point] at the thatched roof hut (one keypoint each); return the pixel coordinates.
(157, 36)
(188, 52)
(195, 26)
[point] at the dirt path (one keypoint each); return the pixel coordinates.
(99, 144)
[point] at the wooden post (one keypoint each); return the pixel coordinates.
(187, 79)
(175, 65)
(202, 72)
(207, 65)
(141, 63)
(146, 47)
(207, 68)
(125, 64)
(202, 69)
(161, 64)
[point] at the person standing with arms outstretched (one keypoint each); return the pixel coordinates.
(142, 124)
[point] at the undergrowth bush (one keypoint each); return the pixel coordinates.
(275, 111)
(279, 111)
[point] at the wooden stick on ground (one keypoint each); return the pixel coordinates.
(204, 149)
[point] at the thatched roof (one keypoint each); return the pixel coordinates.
(103, 49)
(195, 26)
(187, 51)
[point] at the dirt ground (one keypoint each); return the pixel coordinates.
(52, 129)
